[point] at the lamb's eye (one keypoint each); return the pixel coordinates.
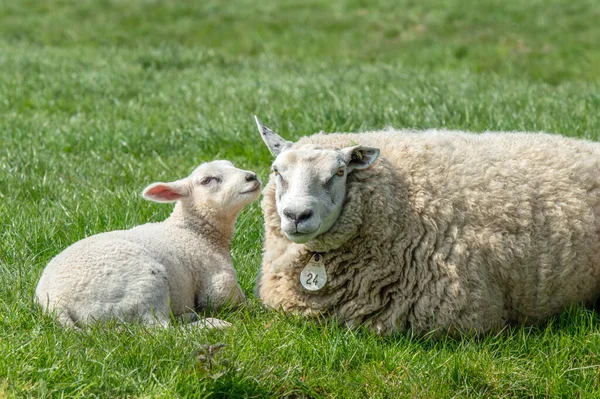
(340, 172)
(208, 179)
(275, 171)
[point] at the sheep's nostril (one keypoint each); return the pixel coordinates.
(289, 214)
(298, 217)
(251, 177)
(304, 215)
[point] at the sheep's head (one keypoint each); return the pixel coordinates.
(216, 185)
(310, 183)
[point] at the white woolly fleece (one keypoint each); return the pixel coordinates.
(177, 266)
(448, 231)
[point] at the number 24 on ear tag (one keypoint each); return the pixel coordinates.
(314, 277)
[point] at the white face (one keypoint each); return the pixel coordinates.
(216, 185)
(310, 183)
(224, 185)
(310, 191)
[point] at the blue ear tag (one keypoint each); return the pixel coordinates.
(314, 277)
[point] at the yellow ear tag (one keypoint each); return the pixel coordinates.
(314, 276)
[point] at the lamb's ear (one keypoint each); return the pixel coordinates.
(166, 192)
(275, 142)
(360, 157)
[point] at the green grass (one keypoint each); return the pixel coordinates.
(100, 98)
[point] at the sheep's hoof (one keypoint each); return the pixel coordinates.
(210, 323)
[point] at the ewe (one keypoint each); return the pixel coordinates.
(444, 230)
(146, 273)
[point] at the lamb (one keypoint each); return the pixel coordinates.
(431, 231)
(147, 273)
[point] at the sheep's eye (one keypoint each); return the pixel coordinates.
(208, 179)
(275, 171)
(340, 172)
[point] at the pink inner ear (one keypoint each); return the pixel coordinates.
(163, 192)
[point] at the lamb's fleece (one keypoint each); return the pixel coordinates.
(147, 273)
(449, 231)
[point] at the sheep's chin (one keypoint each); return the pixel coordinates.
(300, 238)
(247, 197)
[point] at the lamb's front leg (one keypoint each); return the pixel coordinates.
(215, 291)
(209, 323)
(219, 289)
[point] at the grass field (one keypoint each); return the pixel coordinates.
(99, 98)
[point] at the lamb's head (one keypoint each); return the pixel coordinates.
(218, 186)
(310, 183)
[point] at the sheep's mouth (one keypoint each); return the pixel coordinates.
(301, 237)
(252, 190)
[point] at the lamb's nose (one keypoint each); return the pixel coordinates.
(298, 217)
(251, 177)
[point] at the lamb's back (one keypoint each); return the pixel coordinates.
(99, 270)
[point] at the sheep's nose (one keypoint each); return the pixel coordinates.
(298, 217)
(251, 177)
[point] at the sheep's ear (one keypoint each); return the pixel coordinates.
(275, 142)
(166, 192)
(360, 157)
